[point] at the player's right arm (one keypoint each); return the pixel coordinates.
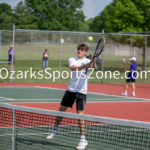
(74, 67)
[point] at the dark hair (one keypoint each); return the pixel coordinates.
(45, 49)
(83, 46)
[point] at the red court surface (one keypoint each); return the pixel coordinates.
(139, 111)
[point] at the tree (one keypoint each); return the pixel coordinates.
(99, 22)
(5, 8)
(144, 8)
(57, 14)
(24, 18)
(84, 27)
(6, 16)
(125, 16)
(121, 16)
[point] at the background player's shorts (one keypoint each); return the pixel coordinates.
(130, 80)
(70, 97)
(10, 61)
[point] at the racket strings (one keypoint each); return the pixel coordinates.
(99, 47)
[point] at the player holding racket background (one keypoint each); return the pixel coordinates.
(131, 77)
(76, 91)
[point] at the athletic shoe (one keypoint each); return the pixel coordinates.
(124, 93)
(133, 94)
(53, 133)
(82, 145)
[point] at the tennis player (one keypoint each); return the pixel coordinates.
(76, 91)
(11, 57)
(45, 59)
(131, 77)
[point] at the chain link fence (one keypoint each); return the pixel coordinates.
(61, 45)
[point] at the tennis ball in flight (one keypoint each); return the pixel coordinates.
(90, 38)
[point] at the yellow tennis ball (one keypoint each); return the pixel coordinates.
(90, 38)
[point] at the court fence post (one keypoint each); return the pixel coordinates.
(131, 45)
(31, 40)
(13, 54)
(102, 80)
(60, 52)
(0, 43)
(14, 130)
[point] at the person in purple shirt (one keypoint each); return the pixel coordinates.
(11, 57)
(45, 59)
(131, 77)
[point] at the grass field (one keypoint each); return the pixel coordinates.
(31, 56)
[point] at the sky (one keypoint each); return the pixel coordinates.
(91, 8)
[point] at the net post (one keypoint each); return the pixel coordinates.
(14, 130)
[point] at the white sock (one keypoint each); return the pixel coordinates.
(125, 92)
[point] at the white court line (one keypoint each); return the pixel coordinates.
(54, 102)
(124, 97)
(36, 99)
(17, 86)
(111, 95)
(53, 99)
(49, 88)
(6, 98)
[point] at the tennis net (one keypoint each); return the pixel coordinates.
(24, 128)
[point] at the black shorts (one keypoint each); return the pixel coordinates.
(70, 97)
(10, 61)
(130, 80)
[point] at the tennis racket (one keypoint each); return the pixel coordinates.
(99, 48)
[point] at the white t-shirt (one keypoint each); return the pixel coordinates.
(78, 81)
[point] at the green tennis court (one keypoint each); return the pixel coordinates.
(45, 94)
(100, 137)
